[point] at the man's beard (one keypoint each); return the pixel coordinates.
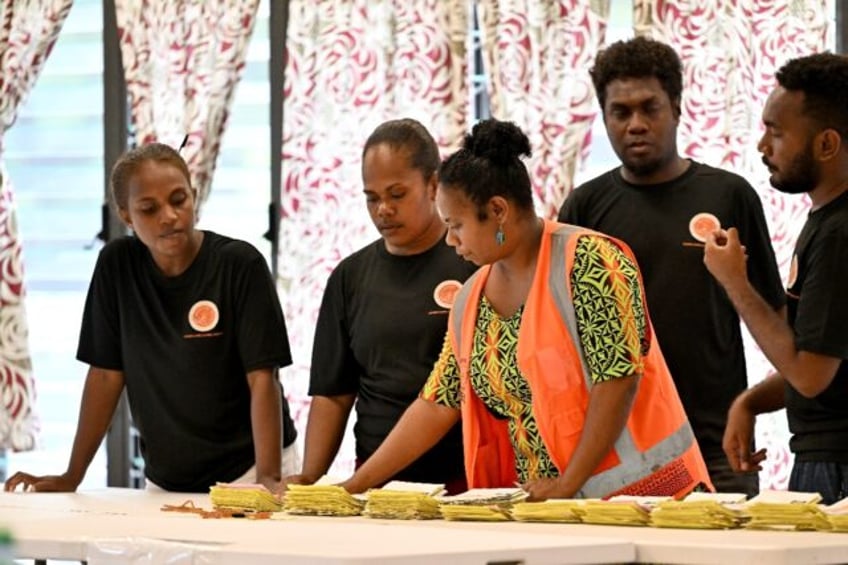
(640, 168)
(801, 175)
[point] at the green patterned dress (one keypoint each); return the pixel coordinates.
(611, 323)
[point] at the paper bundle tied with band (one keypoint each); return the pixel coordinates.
(240, 496)
(321, 500)
(621, 510)
(552, 510)
(488, 505)
(701, 510)
(401, 500)
(837, 515)
(786, 510)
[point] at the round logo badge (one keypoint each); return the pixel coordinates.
(445, 293)
(793, 272)
(702, 225)
(203, 316)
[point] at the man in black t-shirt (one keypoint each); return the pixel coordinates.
(660, 204)
(805, 147)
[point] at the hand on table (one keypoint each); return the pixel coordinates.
(45, 483)
(298, 480)
(293, 480)
(352, 487)
(543, 489)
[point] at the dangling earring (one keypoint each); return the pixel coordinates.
(500, 236)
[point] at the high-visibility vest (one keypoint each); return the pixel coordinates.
(656, 453)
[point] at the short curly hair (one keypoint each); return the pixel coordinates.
(640, 57)
(823, 78)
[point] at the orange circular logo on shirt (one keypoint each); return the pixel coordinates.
(702, 225)
(203, 316)
(445, 293)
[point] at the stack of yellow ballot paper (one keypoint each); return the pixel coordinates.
(620, 510)
(400, 500)
(244, 497)
(482, 504)
(700, 510)
(553, 510)
(321, 500)
(837, 515)
(786, 510)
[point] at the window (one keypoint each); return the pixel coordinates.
(54, 156)
(238, 200)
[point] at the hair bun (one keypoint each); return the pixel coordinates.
(497, 141)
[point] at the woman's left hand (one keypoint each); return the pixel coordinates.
(543, 489)
(274, 485)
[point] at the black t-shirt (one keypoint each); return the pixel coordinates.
(818, 313)
(697, 327)
(379, 333)
(185, 370)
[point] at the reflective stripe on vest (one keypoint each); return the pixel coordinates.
(634, 465)
(460, 301)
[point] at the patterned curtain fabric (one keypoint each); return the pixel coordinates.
(182, 60)
(730, 51)
(28, 30)
(537, 55)
(352, 64)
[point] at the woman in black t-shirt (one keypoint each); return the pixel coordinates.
(189, 323)
(384, 313)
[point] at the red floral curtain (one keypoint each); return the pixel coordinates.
(537, 56)
(730, 51)
(28, 30)
(351, 65)
(182, 60)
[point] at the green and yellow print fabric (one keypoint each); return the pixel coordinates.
(611, 325)
(609, 309)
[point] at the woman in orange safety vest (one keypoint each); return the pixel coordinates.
(549, 360)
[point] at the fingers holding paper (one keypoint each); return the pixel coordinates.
(726, 257)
